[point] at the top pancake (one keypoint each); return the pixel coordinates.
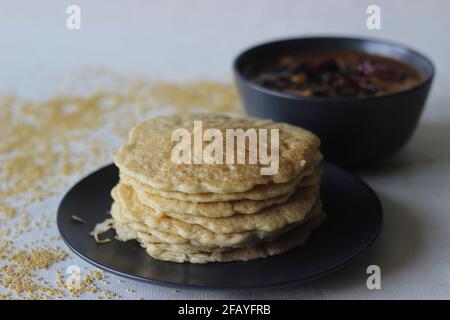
(147, 155)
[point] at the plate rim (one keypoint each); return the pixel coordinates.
(170, 284)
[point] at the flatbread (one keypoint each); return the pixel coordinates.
(135, 212)
(268, 219)
(309, 176)
(147, 155)
(289, 240)
(127, 229)
(215, 210)
(219, 209)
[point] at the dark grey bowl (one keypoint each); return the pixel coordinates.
(353, 131)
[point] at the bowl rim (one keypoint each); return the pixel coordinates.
(237, 72)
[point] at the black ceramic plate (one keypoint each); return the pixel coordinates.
(354, 220)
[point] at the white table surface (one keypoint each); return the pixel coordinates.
(184, 40)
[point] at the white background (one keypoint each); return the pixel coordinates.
(182, 40)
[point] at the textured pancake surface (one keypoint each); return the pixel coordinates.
(134, 211)
(309, 176)
(269, 219)
(147, 155)
(287, 241)
(130, 228)
(218, 209)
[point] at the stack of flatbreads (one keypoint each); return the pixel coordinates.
(215, 212)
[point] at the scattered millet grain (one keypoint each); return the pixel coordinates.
(47, 145)
(78, 219)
